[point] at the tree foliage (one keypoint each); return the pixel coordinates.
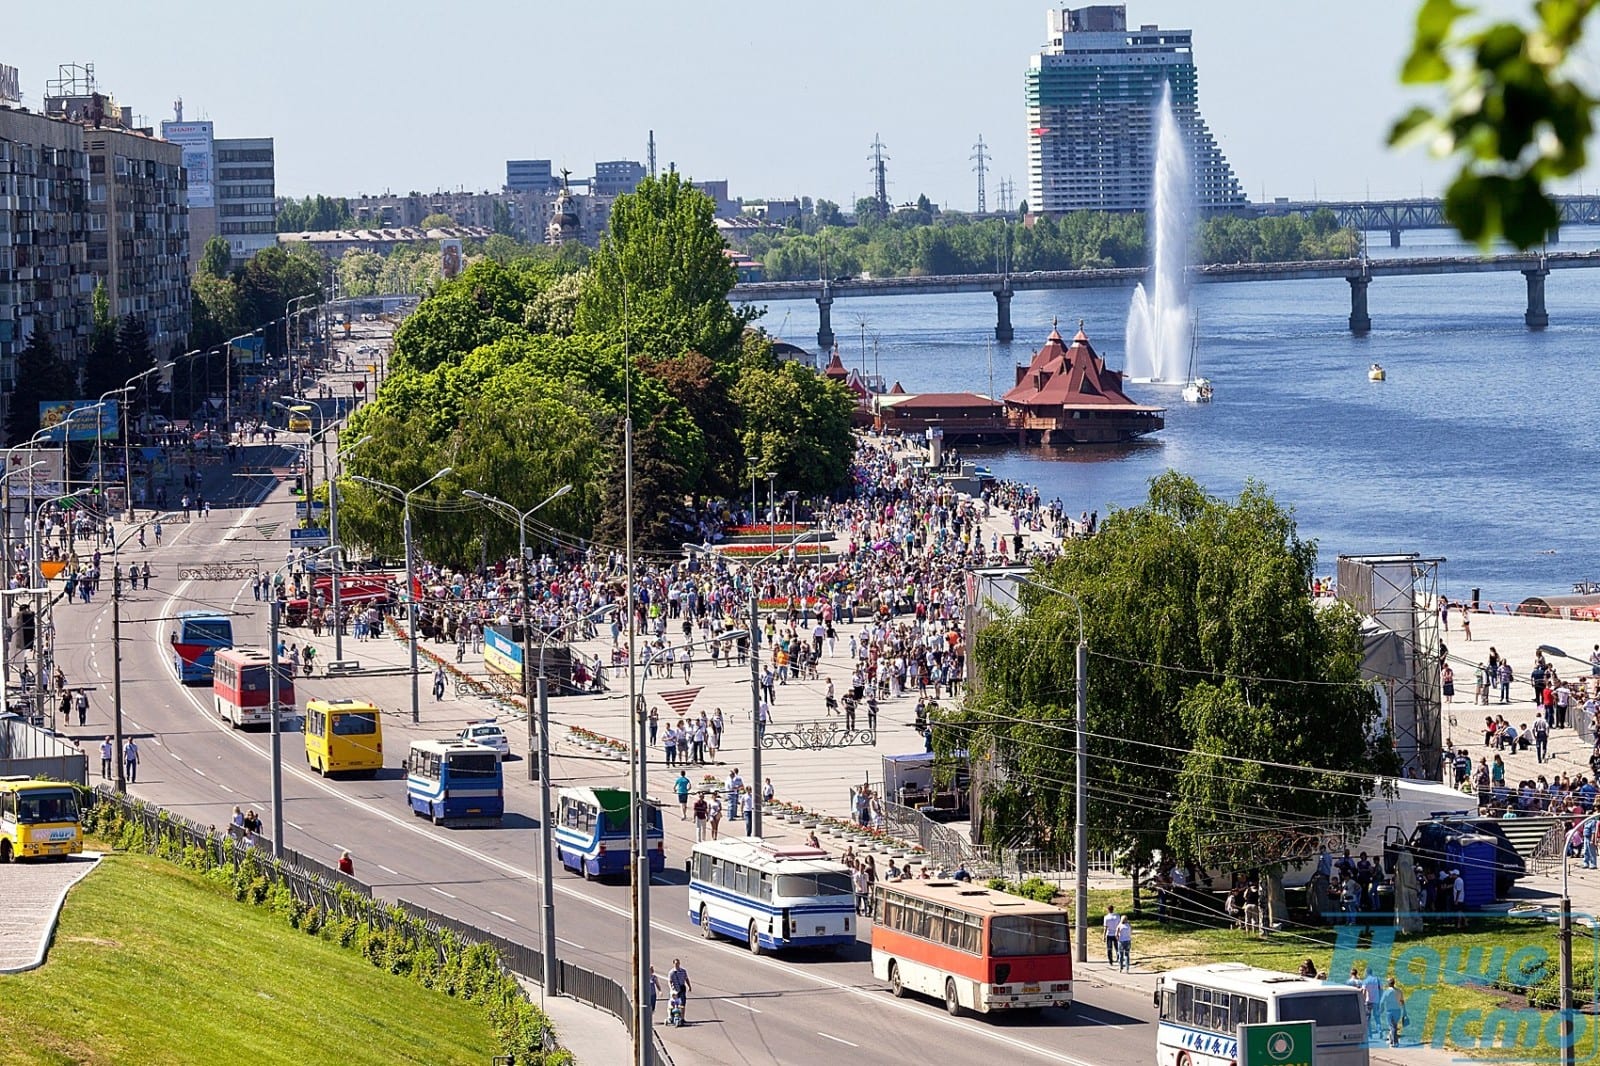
(42, 376)
(315, 213)
(796, 425)
(215, 259)
(1515, 115)
(1203, 639)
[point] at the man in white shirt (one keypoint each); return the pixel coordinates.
(1458, 896)
(1110, 923)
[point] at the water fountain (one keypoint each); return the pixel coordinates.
(1159, 333)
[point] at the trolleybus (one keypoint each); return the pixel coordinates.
(196, 637)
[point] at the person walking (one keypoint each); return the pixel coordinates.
(681, 786)
(438, 684)
(1124, 944)
(1394, 1012)
(80, 701)
(678, 984)
(1110, 924)
(130, 761)
(654, 992)
(107, 753)
(702, 811)
(1541, 737)
(716, 815)
(347, 865)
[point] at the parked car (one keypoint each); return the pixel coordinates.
(488, 734)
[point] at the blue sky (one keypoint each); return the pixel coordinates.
(781, 99)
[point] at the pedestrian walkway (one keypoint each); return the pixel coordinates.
(34, 894)
(594, 1037)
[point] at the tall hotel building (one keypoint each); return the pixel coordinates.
(1092, 98)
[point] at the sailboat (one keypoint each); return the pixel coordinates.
(1196, 390)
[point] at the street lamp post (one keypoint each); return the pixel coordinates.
(333, 542)
(127, 442)
(99, 445)
(5, 626)
(411, 580)
(1080, 828)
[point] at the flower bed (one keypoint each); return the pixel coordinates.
(756, 551)
(599, 742)
(477, 685)
(782, 529)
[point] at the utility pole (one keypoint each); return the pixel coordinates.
(880, 182)
(277, 728)
(116, 685)
(980, 157)
(757, 726)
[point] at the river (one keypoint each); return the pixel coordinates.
(1477, 448)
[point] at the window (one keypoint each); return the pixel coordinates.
(766, 887)
(1324, 1008)
(741, 880)
(818, 884)
(316, 723)
(472, 764)
(36, 806)
(357, 725)
(1034, 934)
(1185, 1004)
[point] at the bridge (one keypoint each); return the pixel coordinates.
(1358, 273)
(1419, 213)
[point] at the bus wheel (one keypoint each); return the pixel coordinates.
(1184, 1060)
(5, 851)
(952, 1002)
(705, 923)
(754, 940)
(896, 989)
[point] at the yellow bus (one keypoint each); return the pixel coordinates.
(300, 418)
(344, 735)
(38, 819)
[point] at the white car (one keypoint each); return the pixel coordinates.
(488, 735)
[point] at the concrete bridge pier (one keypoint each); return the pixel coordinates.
(1002, 306)
(824, 324)
(1360, 321)
(1536, 317)
(1394, 237)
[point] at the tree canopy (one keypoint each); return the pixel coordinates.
(42, 376)
(1216, 684)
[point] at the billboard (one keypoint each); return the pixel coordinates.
(195, 139)
(95, 421)
(247, 350)
(449, 258)
(47, 479)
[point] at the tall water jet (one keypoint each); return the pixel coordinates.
(1158, 336)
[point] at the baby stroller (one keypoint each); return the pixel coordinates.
(675, 1008)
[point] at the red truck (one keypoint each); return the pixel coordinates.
(354, 589)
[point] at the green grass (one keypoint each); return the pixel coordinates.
(153, 963)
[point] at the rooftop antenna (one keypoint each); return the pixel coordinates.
(980, 158)
(652, 153)
(177, 109)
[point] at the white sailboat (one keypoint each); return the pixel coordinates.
(1196, 390)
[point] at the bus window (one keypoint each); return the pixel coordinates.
(1038, 934)
(1185, 1004)
(823, 884)
(354, 725)
(1324, 1008)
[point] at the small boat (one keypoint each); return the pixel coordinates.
(1377, 373)
(1197, 391)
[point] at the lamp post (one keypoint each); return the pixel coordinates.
(411, 581)
(127, 441)
(1080, 828)
(99, 443)
(1564, 935)
(333, 542)
(5, 626)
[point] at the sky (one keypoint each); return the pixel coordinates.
(373, 96)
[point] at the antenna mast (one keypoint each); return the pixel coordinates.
(980, 158)
(652, 153)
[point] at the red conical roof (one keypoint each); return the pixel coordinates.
(1061, 375)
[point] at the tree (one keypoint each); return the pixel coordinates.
(828, 213)
(704, 393)
(215, 258)
(1517, 113)
(42, 376)
(1203, 639)
(660, 274)
(314, 213)
(657, 492)
(437, 220)
(795, 425)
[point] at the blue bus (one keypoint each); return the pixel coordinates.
(455, 782)
(196, 639)
(592, 832)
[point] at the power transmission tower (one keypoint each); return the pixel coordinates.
(880, 182)
(980, 158)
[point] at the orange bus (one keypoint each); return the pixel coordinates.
(977, 948)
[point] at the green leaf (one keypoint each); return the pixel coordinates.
(1424, 67)
(1412, 126)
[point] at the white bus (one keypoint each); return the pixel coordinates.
(1201, 1007)
(770, 896)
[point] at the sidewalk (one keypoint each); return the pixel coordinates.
(34, 894)
(594, 1037)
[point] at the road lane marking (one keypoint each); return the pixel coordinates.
(837, 1039)
(875, 995)
(745, 1006)
(386, 870)
(504, 917)
(441, 892)
(294, 825)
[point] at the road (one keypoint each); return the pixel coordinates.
(745, 1009)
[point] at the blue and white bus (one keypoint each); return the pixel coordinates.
(1201, 1007)
(454, 782)
(770, 896)
(592, 832)
(196, 638)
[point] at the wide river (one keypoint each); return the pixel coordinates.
(1479, 448)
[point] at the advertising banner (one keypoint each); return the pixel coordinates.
(195, 139)
(47, 479)
(449, 258)
(248, 350)
(88, 421)
(10, 85)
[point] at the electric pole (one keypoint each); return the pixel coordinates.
(980, 158)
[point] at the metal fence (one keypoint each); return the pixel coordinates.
(948, 848)
(318, 884)
(28, 751)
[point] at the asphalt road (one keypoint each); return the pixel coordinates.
(745, 1009)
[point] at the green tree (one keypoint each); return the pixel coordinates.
(660, 274)
(796, 425)
(42, 376)
(1517, 114)
(1204, 639)
(215, 258)
(314, 213)
(657, 492)
(828, 213)
(438, 220)
(215, 312)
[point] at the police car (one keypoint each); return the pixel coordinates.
(488, 734)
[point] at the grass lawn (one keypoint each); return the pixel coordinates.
(154, 964)
(1446, 1007)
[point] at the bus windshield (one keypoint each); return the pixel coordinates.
(1324, 1008)
(34, 806)
(354, 725)
(474, 765)
(207, 629)
(1030, 934)
(823, 884)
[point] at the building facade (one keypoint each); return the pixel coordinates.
(44, 279)
(138, 230)
(1092, 94)
(529, 175)
(616, 176)
(246, 185)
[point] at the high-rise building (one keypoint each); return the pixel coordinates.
(1092, 97)
(247, 211)
(617, 176)
(530, 175)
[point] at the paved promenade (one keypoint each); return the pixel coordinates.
(34, 893)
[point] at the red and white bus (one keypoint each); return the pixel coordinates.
(241, 686)
(974, 947)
